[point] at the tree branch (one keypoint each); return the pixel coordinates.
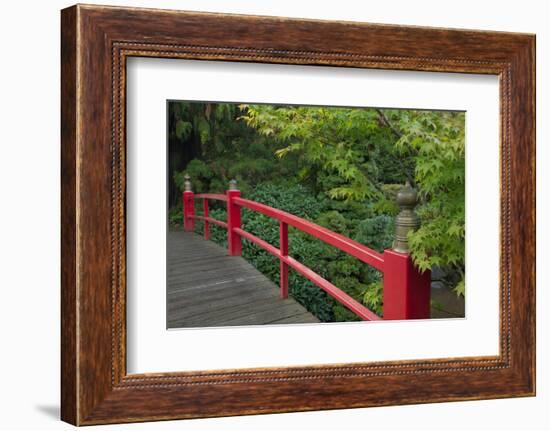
(388, 123)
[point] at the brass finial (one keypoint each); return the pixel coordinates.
(407, 220)
(233, 184)
(187, 183)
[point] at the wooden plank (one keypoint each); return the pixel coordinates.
(206, 283)
(218, 318)
(265, 311)
(219, 298)
(207, 287)
(267, 316)
(208, 264)
(300, 318)
(194, 278)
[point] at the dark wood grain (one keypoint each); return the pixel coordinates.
(96, 41)
(69, 397)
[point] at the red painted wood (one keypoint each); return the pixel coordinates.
(234, 243)
(211, 221)
(205, 215)
(341, 242)
(188, 211)
(212, 196)
(283, 266)
(342, 297)
(406, 291)
(258, 241)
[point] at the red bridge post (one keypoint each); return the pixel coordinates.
(283, 266)
(205, 214)
(234, 242)
(407, 291)
(188, 206)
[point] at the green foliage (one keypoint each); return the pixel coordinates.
(376, 232)
(354, 154)
(297, 200)
(335, 221)
(338, 167)
(175, 215)
(438, 141)
(372, 297)
(460, 288)
(183, 129)
(293, 198)
(337, 142)
(387, 203)
(201, 174)
(224, 148)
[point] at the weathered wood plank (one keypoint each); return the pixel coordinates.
(300, 318)
(217, 299)
(207, 287)
(219, 317)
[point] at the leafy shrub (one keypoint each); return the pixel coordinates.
(376, 233)
(175, 215)
(200, 174)
(373, 297)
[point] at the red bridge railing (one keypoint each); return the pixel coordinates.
(406, 293)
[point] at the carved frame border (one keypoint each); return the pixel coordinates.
(96, 41)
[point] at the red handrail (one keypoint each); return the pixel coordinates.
(406, 290)
(341, 242)
(213, 196)
(338, 294)
(211, 220)
(190, 216)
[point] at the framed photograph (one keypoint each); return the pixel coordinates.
(264, 215)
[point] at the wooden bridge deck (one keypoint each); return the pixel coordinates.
(206, 287)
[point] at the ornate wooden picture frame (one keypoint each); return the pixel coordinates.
(96, 41)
